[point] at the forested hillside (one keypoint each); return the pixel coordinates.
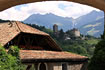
(76, 45)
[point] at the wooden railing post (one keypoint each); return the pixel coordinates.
(104, 25)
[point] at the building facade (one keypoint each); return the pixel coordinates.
(75, 32)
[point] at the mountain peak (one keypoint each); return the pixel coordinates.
(49, 19)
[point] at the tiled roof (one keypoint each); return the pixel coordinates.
(9, 30)
(45, 55)
(27, 29)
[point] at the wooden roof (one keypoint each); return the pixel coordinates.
(29, 55)
(10, 30)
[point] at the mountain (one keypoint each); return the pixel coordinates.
(94, 28)
(48, 20)
(93, 18)
(88, 18)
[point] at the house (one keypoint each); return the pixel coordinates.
(38, 48)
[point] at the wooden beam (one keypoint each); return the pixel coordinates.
(19, 38)
(103, 36)
(4, 4)
(36, 40)
(31, 41)
(104, 27)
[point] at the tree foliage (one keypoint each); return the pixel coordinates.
(10, 60)
(98, 59)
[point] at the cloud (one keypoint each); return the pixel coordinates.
(61, 8)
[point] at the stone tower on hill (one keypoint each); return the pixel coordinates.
(55, 28)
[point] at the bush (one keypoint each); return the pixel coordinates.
(10, 61)
(14, 51)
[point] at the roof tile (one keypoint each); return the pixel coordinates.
(36, 54)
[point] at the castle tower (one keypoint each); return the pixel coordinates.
(55, 28)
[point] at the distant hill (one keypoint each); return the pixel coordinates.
(94, 28)
(48, 20)
(88, 18)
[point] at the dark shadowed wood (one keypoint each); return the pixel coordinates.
(42, 66)
(28, 67)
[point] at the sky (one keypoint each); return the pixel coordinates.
(61, 8)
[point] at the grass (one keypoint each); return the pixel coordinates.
(93, 41)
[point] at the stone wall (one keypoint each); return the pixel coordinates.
(54, 66)
(75, 66)
(77, 33)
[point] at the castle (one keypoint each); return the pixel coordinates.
(55, 29)
(75, 32)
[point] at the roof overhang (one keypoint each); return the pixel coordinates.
(9, 30)
(32, 56)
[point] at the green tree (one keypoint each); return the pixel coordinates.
(61, 34)
(98, 59)
(9, 61)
